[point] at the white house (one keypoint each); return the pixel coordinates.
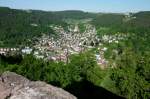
(26, 50)
(104, 49)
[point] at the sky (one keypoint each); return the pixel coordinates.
(85, 5)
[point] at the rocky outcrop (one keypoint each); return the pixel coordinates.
(13, 86)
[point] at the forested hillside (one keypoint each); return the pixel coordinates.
(16, 26)
(127, 74)
(131, 77)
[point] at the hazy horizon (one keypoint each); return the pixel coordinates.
(118, 6)
(73, 10)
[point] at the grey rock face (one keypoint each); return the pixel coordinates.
(15, 86)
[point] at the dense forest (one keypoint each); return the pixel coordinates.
(129, 79)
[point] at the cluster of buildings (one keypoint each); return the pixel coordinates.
(113, 38)
(100, 57)
(68, 42)
(116, 38)
(5, 51)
